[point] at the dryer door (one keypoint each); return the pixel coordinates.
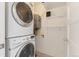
(22, 13)
(26, 51)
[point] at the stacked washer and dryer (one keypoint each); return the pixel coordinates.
(20, 41)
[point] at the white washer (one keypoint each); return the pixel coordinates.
(19, 19)
(21, 47)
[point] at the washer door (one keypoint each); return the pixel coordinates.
(22, 13)
(26, 51)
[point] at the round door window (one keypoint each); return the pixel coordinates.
(27, 51)
(22, 13)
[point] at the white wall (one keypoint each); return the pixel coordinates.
(50, 5)
(58, 17)
(2, 28)
(53, 43)
(73, 24)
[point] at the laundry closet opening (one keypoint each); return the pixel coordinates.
(51, 29)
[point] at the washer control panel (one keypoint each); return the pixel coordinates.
(16, 42)
(19, 41)
(31, 37)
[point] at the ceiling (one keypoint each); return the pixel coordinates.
(50, 5)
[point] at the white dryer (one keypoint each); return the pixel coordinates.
(19, 19)
(21, 47)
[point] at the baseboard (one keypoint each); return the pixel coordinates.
(40, 54)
